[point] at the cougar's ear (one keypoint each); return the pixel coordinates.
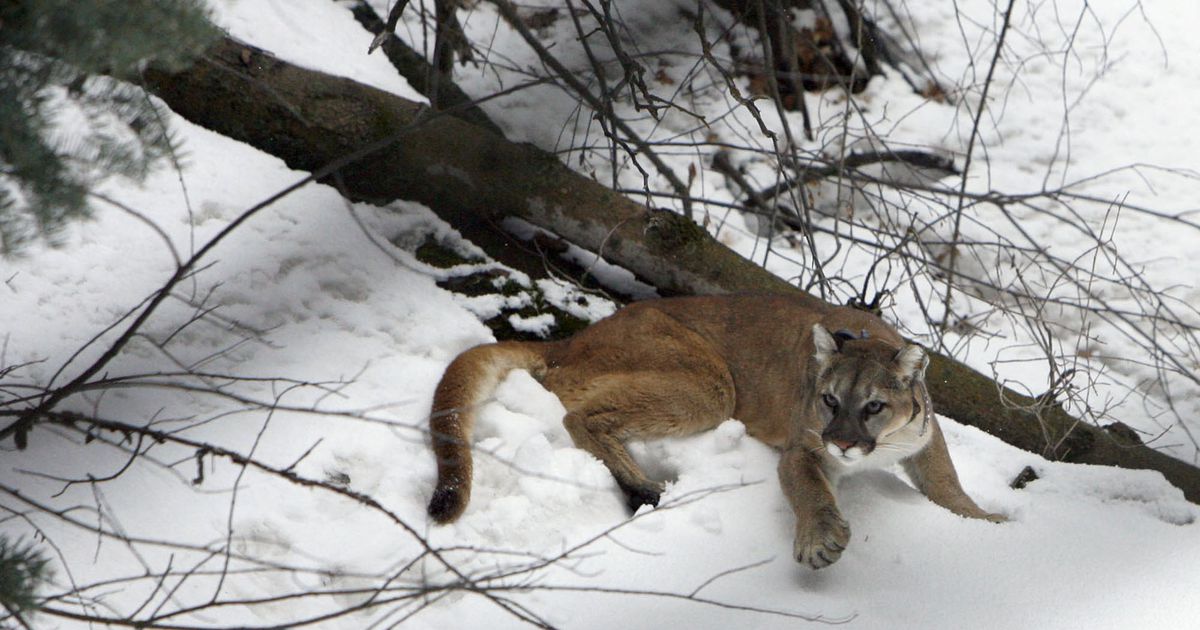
(826, 345)
(911, 362)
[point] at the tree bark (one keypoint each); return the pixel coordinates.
(473, 177)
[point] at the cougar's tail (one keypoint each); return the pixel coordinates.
(467, 383)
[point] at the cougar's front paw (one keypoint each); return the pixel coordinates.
(820, 541)
(973, 511)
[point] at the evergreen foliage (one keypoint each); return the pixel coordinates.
(67, 116)
(22, 570)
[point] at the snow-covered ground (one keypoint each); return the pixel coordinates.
(325, 303)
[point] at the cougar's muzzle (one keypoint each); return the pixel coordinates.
(847, 435)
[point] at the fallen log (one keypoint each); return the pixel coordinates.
(473, 177)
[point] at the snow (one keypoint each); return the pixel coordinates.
(327, 302)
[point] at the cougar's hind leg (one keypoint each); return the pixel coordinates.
(615, 408)
(595, 433)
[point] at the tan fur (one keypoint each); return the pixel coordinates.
(467, 383)
(832, 402)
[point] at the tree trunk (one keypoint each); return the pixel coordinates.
(472, 177)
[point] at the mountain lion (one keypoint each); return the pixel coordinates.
(833, 402)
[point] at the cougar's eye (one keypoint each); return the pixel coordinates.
(873, 407)
(829, 400)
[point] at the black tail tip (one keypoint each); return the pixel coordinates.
(447, 504)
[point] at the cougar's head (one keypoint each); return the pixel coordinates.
(866, 396)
